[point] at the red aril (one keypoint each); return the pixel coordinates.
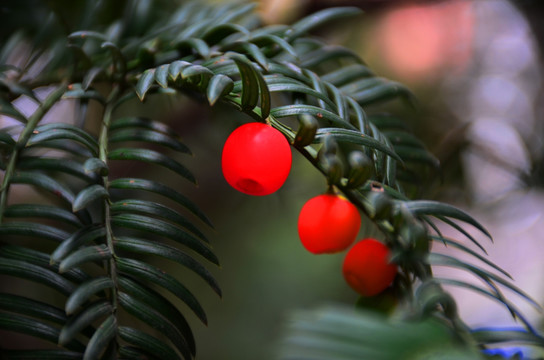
(328, 223)
(256, 159)
(367, 268)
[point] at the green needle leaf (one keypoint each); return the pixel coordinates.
(250, 82)
(161, 75)
(43, 211)
(44, 182)
(152, 157)
(151, 136)
(84, 255)
(40, 259)
(198, 45)
(63, 132)
(156, 320)
(142, 122)
(168, 252)
(445, 260)
(434, 208)
(455, 244)
(154, 209)
(147, 342)
(85, 291)
(26, 270)
(158, 302)
(317, 20)
(175, 68)
(95, 165)
(347, 74)
(88, 195)
(35, 328)
(319, 113)
(101, 339)
(278, 83)
(37, 230)
(161, 189)
(382, 92)
(84, 319)
(219, 86)
(214, 34)
(327, 53)
(57, 165)
(81, 237)
(356, 137)
(30, 307)
(263, 40)
(162, 228)
(154, 275)
(144, 83)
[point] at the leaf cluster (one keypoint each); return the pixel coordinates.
(94, 234)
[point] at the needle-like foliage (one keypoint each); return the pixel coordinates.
(97, 228)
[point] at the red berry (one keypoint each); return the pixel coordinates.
(256, 159)
(328, 223)
(367, 268)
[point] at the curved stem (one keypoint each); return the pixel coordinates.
(103, 155)
(33, 121)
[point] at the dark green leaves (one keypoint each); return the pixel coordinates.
(151, 136)
(157, 210)
(43, 211)
(88, 195)
(85, 255)
(319, 113)
(500, 335)
(30, 307)
(35, 328)
(169, 252)
(162, 228)
(355, 137)
(220, 85)
(101, 338)
(156, 320)
(44, 182)
(84, 319)
(104, 227)
(148, 343)
(148, 131)
(193, 76)
(158, 302)
(85, 291)
(26, 270)
(23, 228)
(145, 83)
(426, 207)
(60, 131)
(161, 189)
(253, 86)
(154, 275)
(318, 19)
(152, 157)
(337, 333)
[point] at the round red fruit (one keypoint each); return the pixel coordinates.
(367, 268)
(328, 223)
(256, 159)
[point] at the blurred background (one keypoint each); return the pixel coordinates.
(476, 69)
